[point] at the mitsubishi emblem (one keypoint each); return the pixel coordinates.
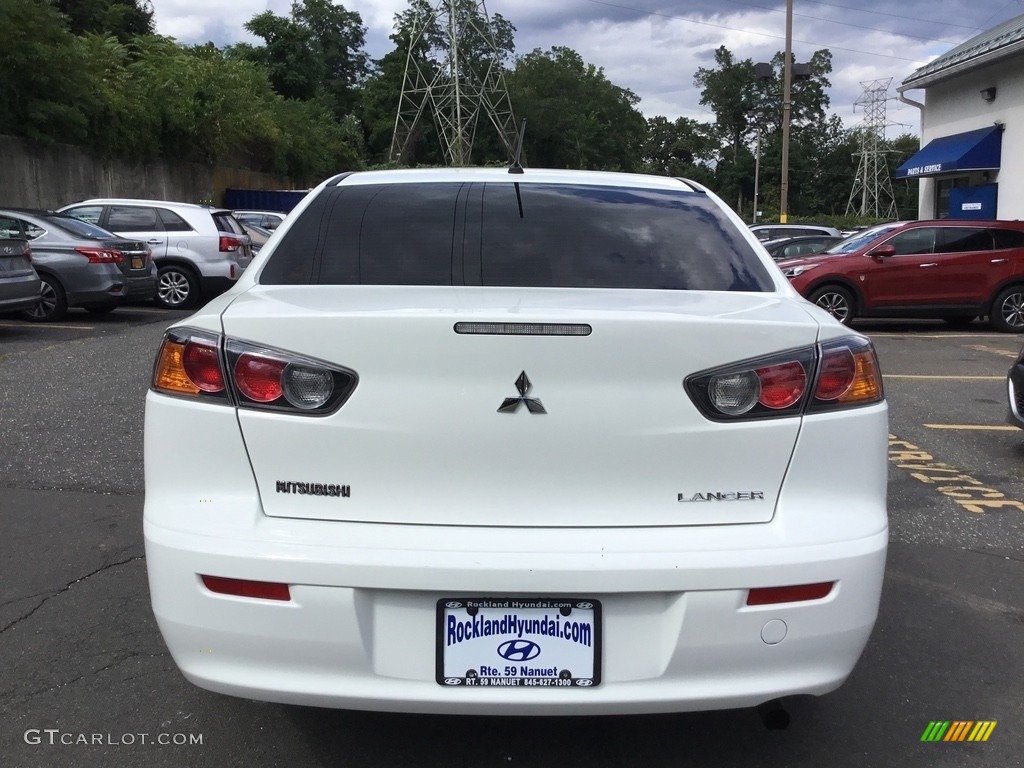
(511, 404)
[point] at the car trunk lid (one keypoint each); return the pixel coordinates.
(504, 429)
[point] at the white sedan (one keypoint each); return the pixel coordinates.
(461, 435)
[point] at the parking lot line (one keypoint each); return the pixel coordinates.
(953, 378)
(47, 325)
(980, 427)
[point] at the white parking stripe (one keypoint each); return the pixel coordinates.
(47, 325)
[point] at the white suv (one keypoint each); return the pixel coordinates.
(567, 437)
(199, 251)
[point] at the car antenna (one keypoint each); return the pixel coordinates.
(517, 166)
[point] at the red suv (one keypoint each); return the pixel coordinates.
(954, 270)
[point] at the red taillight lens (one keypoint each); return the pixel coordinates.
(838, 370)
(101, 255)
(202, 365)
(781, 385)
(230, 244)
(259, 378)
(796, 594)
(262, 590)
(28, 255)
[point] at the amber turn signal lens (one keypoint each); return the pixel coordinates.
(867, 382)
(169, 374)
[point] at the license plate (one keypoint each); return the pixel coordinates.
(136, 262)
(488, 642)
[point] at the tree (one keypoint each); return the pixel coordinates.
(40, 67)
(338, 35)
(683, 147)
(906, 190)
(124, 19)
(744, 105)
(576, 117)
(316, 53)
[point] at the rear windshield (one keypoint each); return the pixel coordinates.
(80, 228)
(508, 234)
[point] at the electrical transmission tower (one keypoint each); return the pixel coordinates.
(872, 193)
(459, 78)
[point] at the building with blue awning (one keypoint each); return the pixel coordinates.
(972, 128)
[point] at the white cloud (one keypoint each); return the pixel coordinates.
(654, 47)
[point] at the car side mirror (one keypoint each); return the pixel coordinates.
(882, 252)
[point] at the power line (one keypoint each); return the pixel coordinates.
(894, 15)
(751, 32)
(845, 23)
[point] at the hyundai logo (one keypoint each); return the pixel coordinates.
(584, 682)
(453, 604)
(452, 681)
(585, 605)
(519, 650)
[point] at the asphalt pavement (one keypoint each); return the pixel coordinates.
(87, 681)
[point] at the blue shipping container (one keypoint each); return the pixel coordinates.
(263, 199)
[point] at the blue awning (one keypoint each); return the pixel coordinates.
(971, 151)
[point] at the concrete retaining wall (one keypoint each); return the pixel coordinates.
(50, 176)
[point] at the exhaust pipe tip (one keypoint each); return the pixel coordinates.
(774, 715)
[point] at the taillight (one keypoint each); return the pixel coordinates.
(832, 375)
(28, 255)
(848, 375)
(191, 364)
(101, 255)
(230, 244)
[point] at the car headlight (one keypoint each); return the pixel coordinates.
(797, 271)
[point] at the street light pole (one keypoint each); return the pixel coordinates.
(787, 93)
(757, 170)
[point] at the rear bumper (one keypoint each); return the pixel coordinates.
(1015, 395)
(214, 286)
(19, 293)
(360, 629)
(141, 287)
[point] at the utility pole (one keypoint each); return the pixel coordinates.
(787, 106)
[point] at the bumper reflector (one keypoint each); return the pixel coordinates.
(263, 590)
(796, 594)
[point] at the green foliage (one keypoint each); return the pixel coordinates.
(124, 19)
(576, 117)
(315, 54)
(42, 75)
(683, 148)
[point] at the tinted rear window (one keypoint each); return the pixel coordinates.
(547, 235)
(79, 228)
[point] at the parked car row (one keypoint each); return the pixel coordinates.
(96, 254)
(78, 264)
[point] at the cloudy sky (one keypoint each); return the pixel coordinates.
(654, 47)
